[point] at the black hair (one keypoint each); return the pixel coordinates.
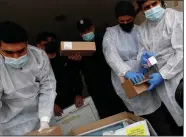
(42, 37)
(141, 2)
(11, 32)
(50, 34)
(124, 8)
(84, 24)
(52, 47)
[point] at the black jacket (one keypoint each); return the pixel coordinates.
(95, 67)
(69, 81)
(97, 75)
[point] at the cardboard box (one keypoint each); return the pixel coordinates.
(141, 128)
(120, 124)
(52, 131)
(106, 121)
(82, 48)
(132, 90)
(73, 117)
(108, 129)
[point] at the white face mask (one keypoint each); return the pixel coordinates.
(16, 63)
(154, 13)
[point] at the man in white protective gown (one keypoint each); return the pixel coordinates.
(161, 35)
(27, 83)
(120, 47)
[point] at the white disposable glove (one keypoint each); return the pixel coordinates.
(43, 125)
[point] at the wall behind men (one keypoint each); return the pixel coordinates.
(38, 15)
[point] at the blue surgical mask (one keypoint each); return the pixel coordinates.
(16, 63)
(89, 36)
(154, 13)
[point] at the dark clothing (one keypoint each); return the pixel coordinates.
(163, 123)
(160, 122)
(98, 79)
(179, 94)
(69, 81)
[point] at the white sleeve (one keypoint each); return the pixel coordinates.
(111, 54)
(47, 91)
(174, 64)
(141, 48)
(1, 93)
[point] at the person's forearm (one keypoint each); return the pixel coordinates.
(174, 63)
(47, 93)
(172, 68)
(115, 62)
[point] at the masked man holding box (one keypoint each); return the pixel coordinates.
(97, 73)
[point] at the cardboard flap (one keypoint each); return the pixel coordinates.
(141, 88)
(132, 90)
(106, 121)
(122, 79)
(151, 129)
(53, 131)
(129, 89)
(144, 81)
(133, 117)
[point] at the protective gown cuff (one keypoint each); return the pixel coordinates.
(45, 118)
(124, 73)
(163, 74)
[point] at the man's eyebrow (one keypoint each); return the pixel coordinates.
(15, 50)
(8, 51)
(125, 20)
(21, 50)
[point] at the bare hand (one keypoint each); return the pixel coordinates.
(79, 101)
(75, 57)
(57, 110)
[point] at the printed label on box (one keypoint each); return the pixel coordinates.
(137, 129)
(67, 45)
(151, 61)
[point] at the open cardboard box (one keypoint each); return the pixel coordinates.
(81, 48)
(52, 131)
(74, 117)
(132, 90)
(141, 128)
(87, 129)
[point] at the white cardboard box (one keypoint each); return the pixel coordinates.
(73, 117)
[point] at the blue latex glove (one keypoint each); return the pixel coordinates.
(143, 70)
(134, 77)
(145, 56)
(155, 80)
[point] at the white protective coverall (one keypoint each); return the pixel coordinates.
(165, 39)
(121, 50)
(26, 95)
